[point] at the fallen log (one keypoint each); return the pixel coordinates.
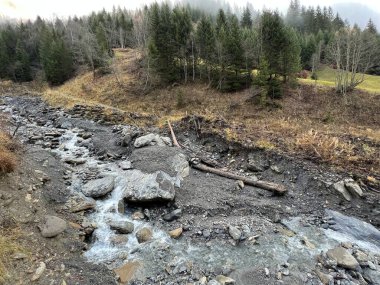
(270, 186)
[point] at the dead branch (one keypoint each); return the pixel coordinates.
(175, 142)
(270, 186)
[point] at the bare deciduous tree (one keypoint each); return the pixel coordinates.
(352, 51)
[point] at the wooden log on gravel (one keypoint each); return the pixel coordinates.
(270, 186)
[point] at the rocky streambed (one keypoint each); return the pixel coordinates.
(152, 219)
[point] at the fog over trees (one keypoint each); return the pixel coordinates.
(206, 41)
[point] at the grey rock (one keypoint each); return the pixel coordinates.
(78, 202)
(125, 165)
(372, 276)
(371, 265)
(122, 227)
(141, 187)
(144, 235)
(75, 161)
(39, 271)
(213, 282)
(343, 258)
(174, 215)
(361, 257)
(364, 234)
(149, 139)
(254, 166)
(181, 165)
(353, 188)
(99, 187)
(325, 278)
(340, 188)
(52, 226)
(121, 206)
(223, 280)
(234, 232)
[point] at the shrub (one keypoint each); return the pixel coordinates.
(302, 74)
(314, 76)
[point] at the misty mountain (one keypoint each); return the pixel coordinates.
(357, 13)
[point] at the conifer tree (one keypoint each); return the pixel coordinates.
(246, 20)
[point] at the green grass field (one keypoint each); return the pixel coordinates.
(326, 77)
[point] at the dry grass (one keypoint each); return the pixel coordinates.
(8, 159)
(8, 246)
(340, 126)
(323, 147)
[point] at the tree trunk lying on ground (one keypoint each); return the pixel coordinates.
(270, 186)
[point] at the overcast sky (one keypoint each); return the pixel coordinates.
(49, 8)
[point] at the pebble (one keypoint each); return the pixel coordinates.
(40, 270)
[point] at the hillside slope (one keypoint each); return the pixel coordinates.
(310, 121)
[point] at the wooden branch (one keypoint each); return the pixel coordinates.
(270, 186)
(175, 142)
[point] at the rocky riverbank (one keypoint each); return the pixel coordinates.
(115, 203)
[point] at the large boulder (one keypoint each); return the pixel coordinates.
(142, 187)
(52, 226)
(343, 258)
(168, 159)
(99, 187)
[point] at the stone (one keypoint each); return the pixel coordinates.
(122, 227)
(234, 232)
(147, 140)
(75, 161)
(361, 257)
(119, 239)
(99, 187)
(173, 215)
(240, 183)
(307, 243)
(354, 229)
(353, 188)
(144, 235)
(254, 166)
(371, 265)
(138, 215)
(340, 188)
(141, 187)
(343, 258)
(176, 233)
(267, 273)
(127, 272)
(79, 202)
(223, 280)
(325, 278)
(213, 282)
(52, 226)
(181, 165)
(125, 165)
(19, 255)
(39, 271)
(121, 207)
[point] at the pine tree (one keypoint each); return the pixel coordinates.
(162, 47)
(55, 57)
(205, 37)
(246, 20)
(4, 59)
(22, 70)
(371, 28)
